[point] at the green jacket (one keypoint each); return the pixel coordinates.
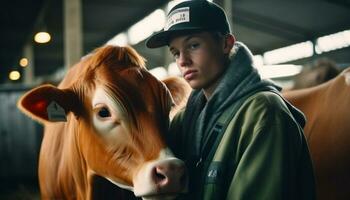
(262, 154)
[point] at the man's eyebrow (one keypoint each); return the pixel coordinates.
(171, 48)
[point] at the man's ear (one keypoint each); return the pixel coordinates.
(228, 43)
(180, 91)
(47, 103)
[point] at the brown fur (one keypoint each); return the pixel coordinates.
(321, 71)
(326, 107)
(73, 158)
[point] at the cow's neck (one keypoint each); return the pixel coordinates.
(303, 97)
(67, 161)
(76, 164)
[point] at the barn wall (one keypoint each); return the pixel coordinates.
(20, 139)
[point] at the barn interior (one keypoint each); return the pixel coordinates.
(284, 37)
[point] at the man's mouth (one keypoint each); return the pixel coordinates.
(189, 74)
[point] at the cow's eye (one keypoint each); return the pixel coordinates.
(104, 112)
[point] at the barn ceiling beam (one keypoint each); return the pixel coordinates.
(270, 26)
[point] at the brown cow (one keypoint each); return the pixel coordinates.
(315, 74)
(327, 109)
(116, 116)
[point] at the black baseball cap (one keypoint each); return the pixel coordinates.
(188, 16)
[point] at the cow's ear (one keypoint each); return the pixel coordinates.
(179, 90)
(47, 103)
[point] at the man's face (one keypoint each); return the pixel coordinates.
(200, 58)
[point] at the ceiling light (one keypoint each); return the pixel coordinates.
(258, 61)
(121, 40)
(146, 27)
(278, 71)
(289, 53)
(42, 37)
(14, 75)
(332, 42)
(23, 62)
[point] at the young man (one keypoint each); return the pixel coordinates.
(239, 138)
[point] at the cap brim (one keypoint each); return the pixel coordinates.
(162, 38)
(158, 39)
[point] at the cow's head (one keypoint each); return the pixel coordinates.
(117, 113)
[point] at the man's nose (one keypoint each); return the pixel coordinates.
(184, 59)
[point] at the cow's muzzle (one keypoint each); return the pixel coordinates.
(161, 179)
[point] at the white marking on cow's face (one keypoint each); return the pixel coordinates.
(109, 120)
(347, 78)
(108, 115)
(165, 153)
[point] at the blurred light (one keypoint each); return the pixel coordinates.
(333, 42)
(258, 61)
(289, 53)
(121, 40)
(23, 62)
(42, 37)
(146, 27)
(173, 3)
(277, 71)
(159, 72)
(14, 75)
(173, 70)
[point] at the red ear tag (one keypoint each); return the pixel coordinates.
(56, 113)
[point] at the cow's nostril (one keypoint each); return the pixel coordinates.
(160, 178)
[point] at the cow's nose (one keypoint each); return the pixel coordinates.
(169, 175)
(161, 179)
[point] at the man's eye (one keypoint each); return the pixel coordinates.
(194, 46)
(104, 112)
(176, 55)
